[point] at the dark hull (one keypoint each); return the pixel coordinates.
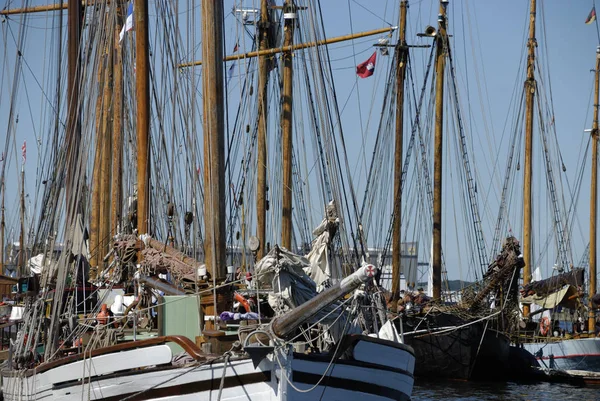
(472, 352)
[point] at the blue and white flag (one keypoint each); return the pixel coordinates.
(128, 22)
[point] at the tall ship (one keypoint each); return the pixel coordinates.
(170, 257)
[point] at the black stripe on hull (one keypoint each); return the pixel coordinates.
(350, 385)
(193, 387)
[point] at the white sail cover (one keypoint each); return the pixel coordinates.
(321, 268)
(284, 271)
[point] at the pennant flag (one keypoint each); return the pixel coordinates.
(367, 68)
(230, 72)
(236, 47)
(24, 151)
(128, 22)
(591, 17)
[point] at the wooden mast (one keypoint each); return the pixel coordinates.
(22, 247)
(2, 227)
(105, 166)
(530, 87)
(73, 134)
(401, 56)
(142, 85)
(261, 158)
(440, 65)
(100, 216)
(594, 198)
(117, 133)
(214, 142)
(286, 125)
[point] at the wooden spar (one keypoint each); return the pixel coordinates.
(44, 8)
(95, 258)
(117, 139)
(299, 46)
(142, 86)
(106, 156)
(36, 9)
(22, 247)
(214, 149)
(440, 65)
(2, 226)
(286, 125)
(401, 57)
(73, 134)
(214, 140)
(594, 199)
(530, 87)
(261, 158)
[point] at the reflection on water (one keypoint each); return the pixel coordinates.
(474, 391)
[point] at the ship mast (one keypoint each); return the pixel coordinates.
(142, 86)
(440, 65)
(401, 56)
(214, 142)
(100, 219)
(117, 133)
(594, 198)
(261, 180)
(530, 87)
(2, 226)
(289, 14)
(22, 247)
(73, 134)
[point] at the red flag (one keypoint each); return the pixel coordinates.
(367, 68)
(24, 151)
(236, 47)
(591, 17)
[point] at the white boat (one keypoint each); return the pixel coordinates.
(571, 354)
(359, 367)
(146, 373)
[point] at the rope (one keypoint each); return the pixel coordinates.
(227, 356)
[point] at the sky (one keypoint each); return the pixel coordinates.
(489, 47)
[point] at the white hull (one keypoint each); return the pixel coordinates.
(386, 374)
(575, 354)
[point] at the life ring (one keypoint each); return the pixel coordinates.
(243, 301)
(544, 326)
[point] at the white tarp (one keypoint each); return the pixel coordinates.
(37, 264)
(292, 287)
(321, 268)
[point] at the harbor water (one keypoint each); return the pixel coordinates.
(475, 391)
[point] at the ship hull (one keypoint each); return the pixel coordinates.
(463, 352)
(377, 370)
(574, 354)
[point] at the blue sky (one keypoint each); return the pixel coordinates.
(488, 40)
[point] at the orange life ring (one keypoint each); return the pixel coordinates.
(243, 301)
(544, 326)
